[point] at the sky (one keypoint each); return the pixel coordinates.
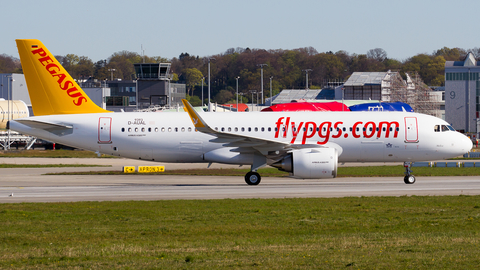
(97, 29)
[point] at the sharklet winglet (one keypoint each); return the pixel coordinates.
(197, 120)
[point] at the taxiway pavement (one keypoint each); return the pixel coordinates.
(31, 185)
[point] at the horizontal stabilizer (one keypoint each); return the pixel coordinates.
(59, 129)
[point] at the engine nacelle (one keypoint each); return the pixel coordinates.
(310, 163)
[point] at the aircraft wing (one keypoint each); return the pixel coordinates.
(271, 149)
(243, 143)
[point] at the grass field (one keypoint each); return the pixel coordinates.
(358, 233)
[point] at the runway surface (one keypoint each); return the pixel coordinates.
(30, 185)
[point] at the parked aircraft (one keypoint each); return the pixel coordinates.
(305, 144)
(337, 106)
(307, 106)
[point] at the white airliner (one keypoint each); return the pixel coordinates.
(309, 145)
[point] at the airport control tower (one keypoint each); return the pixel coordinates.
(154, 87)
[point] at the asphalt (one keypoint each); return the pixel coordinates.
(32, 185)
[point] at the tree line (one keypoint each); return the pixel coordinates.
(286, 68)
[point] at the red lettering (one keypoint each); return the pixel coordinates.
(52, 68)
(338, 129)
(326, 135)
(295, 131)
(45, 60)
(286, 128)
(372, 129)
(79, 101)
(354, 130)
(325, 129)
(71, 93)
(40, 52)
(278, 124)
(307, 127)
(65, 86)
(60, 76)
(388, 125)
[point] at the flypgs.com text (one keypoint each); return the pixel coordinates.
(326, 130)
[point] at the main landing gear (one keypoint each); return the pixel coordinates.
(253, 178)
(409, 178)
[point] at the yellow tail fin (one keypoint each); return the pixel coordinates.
(52, 90)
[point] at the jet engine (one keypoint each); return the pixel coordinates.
(310, 163)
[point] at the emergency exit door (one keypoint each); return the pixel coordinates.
(105, 130)
(411, 130)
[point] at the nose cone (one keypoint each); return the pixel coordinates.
(465, 144)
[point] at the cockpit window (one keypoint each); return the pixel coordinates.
(443, 128)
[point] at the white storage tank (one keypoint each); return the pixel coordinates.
(12, 109)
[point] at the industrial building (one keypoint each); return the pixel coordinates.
(14, 87)
(391, 87)
(462, 94)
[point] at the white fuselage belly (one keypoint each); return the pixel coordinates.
(171, 137)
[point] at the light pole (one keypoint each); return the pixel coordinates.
(136, 94)
(261, 79)
(271, 97)
(203, 79)
(111, 73)
(209, 106)
(104, 105)
(253, 92)
(236, 78)
(306, 80)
